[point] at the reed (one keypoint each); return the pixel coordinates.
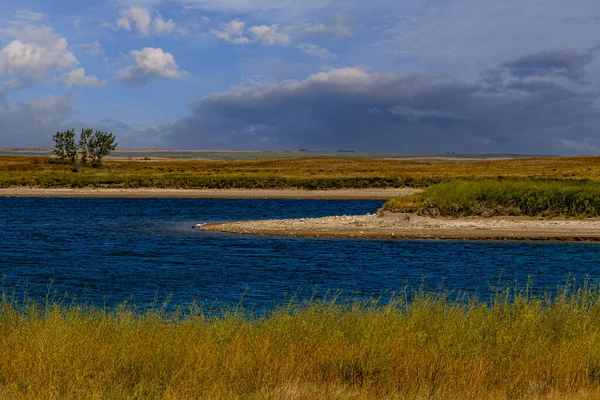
(419, 345)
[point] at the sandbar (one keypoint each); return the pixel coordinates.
(411, 226)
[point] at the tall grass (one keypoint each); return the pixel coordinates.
(422, 346)
(506, 197)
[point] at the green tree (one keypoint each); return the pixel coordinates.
(59, 146)
(64, 146)
(100, 145)
(83, 145)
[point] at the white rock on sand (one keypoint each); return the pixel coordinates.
(397, 225)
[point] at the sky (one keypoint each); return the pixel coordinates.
(463, 76)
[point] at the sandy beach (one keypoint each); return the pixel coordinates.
(411, 226)
(348, 194)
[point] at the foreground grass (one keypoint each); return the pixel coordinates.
(515, 346)
(333, 173)
(490, 197)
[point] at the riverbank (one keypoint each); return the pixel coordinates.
(339, 194)
(411, 226)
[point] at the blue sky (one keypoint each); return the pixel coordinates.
(427, 76)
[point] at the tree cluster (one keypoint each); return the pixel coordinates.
(91, 148)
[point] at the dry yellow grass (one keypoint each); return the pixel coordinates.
(429, 347)
(300, 173)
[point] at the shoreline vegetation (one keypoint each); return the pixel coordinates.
(418, 345)
(503, 197)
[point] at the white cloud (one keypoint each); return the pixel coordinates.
(77, 77)
(34, 60)
(287, 7)
(163, 27)
(140, 17)
(269, 35)
(414, 115)
(316, 51)
(355, 77)
(41, 34)
(148, 63)
(95, 49)
(122, 23)
(34, 53)
(232, 32)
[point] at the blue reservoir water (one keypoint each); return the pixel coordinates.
(112, 250)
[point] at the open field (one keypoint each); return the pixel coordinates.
(419, 346)
(308, 174)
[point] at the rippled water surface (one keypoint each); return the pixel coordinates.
(111, 250)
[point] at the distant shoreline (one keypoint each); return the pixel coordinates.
(410, 226)
(122, 154)
(341, 194)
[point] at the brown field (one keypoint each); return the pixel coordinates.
(312, 173)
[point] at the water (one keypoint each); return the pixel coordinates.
(112, 250)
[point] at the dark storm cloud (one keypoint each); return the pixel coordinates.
(3, 101)
(512, 109)
(565, 62)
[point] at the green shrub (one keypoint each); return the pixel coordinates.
(491, 197)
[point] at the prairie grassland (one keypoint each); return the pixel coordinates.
(490, 197)
(286, 173)
(515, 346)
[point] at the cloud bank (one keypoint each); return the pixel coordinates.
(525, 105)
